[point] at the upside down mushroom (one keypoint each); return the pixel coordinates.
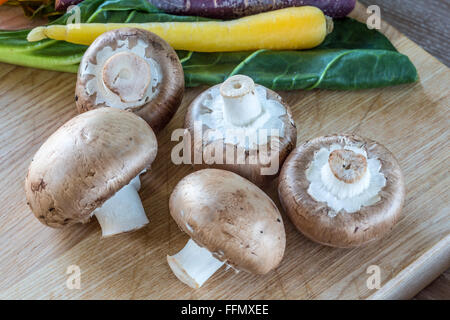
(91, 166)
(230, 221)
(251, 121)
(342, 190)
(131, 69)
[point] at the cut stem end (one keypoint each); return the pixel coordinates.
(347, 165)
(119, 76)
(36, 34)
(329, 24)
(193, 265)
(241, 104)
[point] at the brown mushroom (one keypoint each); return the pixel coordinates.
(342, 190)
(245, 128)
(229, 220)
(91, 166)
(131, 69)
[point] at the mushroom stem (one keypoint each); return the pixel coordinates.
(193, 265)
(345, 174)
(119, 76)
(241, 104)
(122, 212)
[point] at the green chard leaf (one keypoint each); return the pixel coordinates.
(351, 57)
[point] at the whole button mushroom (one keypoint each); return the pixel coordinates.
(342, 190)
(230, 221)
(131, 69)
(91, 166)
(245, 128)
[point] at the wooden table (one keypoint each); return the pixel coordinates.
(412, 121)
(424, 22)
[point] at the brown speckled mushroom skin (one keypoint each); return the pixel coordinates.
(345, 229)
(231, 217)
(85, 162)
(158, 111)
(249, 171)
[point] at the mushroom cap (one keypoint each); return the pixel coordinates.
(283, 145)
(343, 229)
(160, 108)
(231, 217)
(85, 162)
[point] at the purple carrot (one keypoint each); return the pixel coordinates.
(225, 9)
(62, 5)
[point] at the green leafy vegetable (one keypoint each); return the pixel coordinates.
(352, 57)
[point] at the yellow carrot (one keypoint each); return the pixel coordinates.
(290, 28)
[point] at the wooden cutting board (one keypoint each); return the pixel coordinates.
(411, 120)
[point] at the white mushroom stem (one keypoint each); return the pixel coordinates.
(127, 75)
(345, 178)
(345, 174)
(123, 77)
(122, 212)
(340, 189)
(241, 104)
(193, 265)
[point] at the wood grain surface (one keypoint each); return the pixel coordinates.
(411, 120)
(439, 289)
(12, 18)
(426, 22)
